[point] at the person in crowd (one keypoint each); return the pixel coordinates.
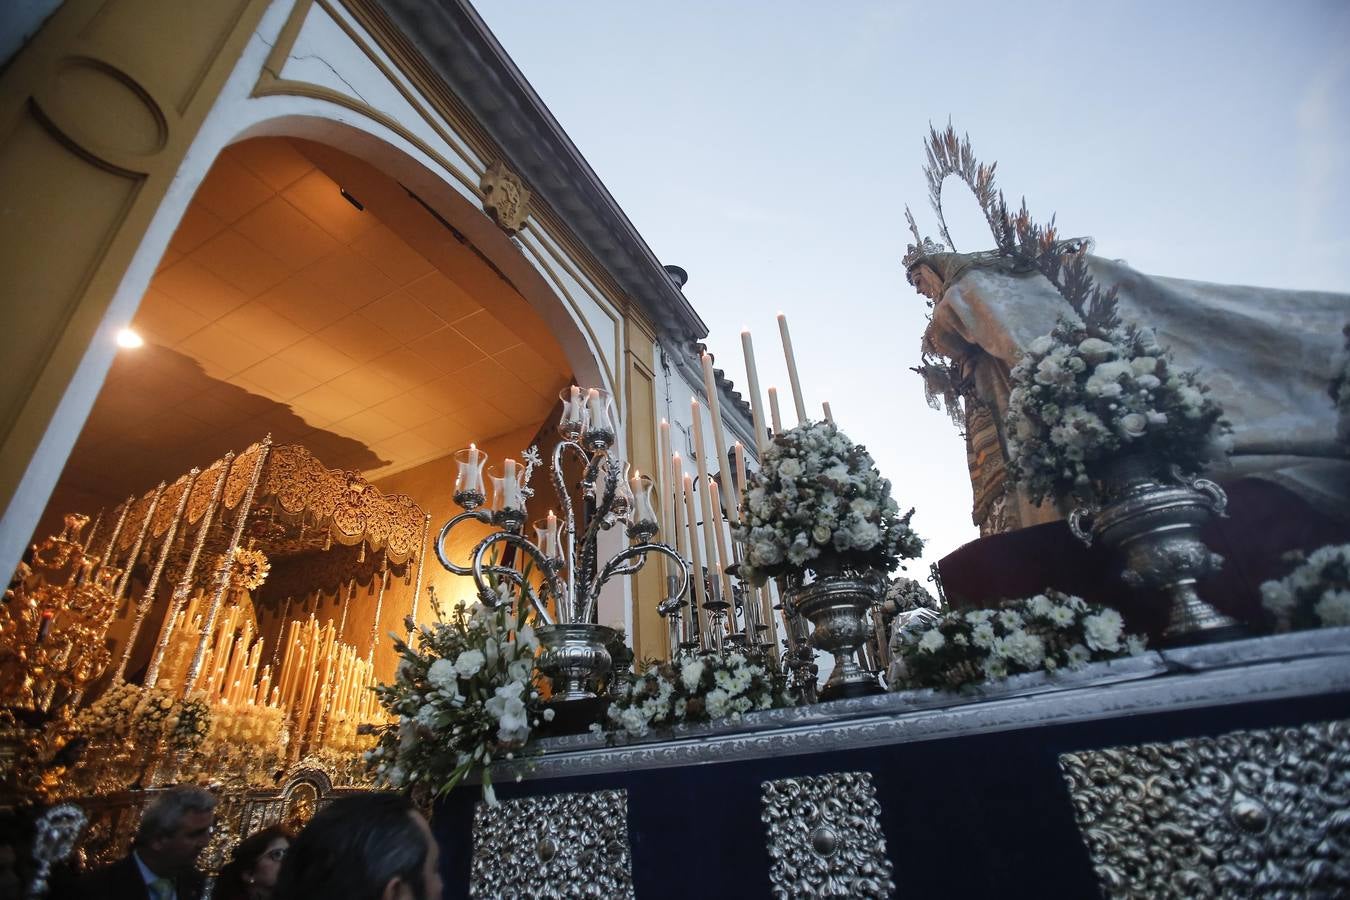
(174, 829)
(370, 846)
(251, 873)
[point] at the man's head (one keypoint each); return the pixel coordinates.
(370, 846)
(175, 828)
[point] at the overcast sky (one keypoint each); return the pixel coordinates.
(769, 148)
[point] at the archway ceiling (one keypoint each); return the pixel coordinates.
(375, 338)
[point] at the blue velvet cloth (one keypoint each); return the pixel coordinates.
(984, 815)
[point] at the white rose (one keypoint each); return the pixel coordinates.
(1144, 365)
(1041, 345)
(1132, 425)
(1095, 350)
(1334, 608)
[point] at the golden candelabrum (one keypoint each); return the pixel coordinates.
(52, 627)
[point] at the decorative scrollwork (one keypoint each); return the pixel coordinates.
(561, 845)
(825, 837)
(1245, 814)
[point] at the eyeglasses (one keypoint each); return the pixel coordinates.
(276, 854)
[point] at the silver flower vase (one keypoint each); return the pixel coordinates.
(840, 606)
(574, 658)
(1155, 526)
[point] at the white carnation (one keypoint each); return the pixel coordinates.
(1103, 630)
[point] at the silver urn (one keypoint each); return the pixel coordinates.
(574, 658)
(840, 606)
(1154, 525)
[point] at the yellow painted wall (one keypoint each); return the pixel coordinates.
(96, 114)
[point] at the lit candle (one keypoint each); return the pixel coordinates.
(719, 436)
(475, 475)
(773, 411)
(667, 526)
(829, 416)
(642, 499)
(723, 558)
(696, 555)
(752, 384)
(552, 534)
(792, 369)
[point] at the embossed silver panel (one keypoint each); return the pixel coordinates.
(824, 837)
(1246, 814)
(556, 846)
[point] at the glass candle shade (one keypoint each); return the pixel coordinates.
(623, 492)
(469, 485)
(506, 484)
(572, 422)
(546, 536)
(643, 489)
(600, 419)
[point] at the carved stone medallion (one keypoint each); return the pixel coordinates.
(1246, 814)
(824, 836)
(561, 845)
(505, 198)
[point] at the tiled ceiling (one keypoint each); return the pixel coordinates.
(379, 339)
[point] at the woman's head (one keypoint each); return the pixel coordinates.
(252, 870)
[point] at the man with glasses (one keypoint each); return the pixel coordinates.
(162, 865)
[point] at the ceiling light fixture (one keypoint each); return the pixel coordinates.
(128, 339)
(352, 200)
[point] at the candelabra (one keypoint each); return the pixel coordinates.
(570, 577)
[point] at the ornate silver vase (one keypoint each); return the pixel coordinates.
(574, 658)
(839, 606)
(1155, 526)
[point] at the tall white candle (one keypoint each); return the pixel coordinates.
(473, 479)
(792, 369)
(599, 420)
(739, 451)
(664, 483)
(675, 468)
(723, 558)
(719, 435)
(829, 416)
(575, 411)
(773, 410)
(642, 503)
(752, 384)
(695, 554)
(511, 498)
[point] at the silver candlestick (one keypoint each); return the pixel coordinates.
(572, 577)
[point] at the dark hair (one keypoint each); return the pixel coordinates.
(164, 814)
(352, 848)
(230, 885)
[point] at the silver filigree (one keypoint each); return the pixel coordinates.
(1246, 814)
(560, 845)
(824, 836)
(56, 834)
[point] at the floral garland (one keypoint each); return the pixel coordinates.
(818, 502)
(463, 696)
(1085, 396)
(190, 725)
(147, 716)
(1047, 632)
(696, 690)
(1316, 594)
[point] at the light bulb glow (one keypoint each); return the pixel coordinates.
(129, 340)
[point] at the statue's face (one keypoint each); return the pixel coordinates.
(926, 282)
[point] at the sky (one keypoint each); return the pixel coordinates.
(770, 148)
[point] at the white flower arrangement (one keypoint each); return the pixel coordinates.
(698, 690)
(464, 696)
(147, 716)
(1085, 397)
(1047, 632)
(818, 503)
(1316, 594)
